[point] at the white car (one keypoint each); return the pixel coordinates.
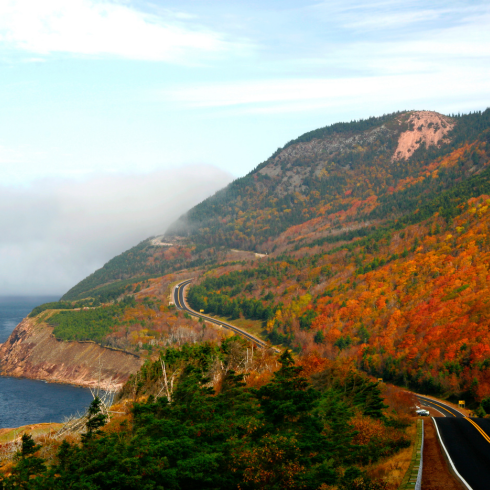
(423, 412)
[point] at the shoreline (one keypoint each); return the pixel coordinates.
(51, 382)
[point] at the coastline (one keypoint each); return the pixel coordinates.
(32, 352)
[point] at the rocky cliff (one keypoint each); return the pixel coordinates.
(33, 352)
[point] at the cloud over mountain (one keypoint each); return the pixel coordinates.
(56, 232)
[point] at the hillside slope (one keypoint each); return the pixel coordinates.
(345, 177)
(378, 246)
(33, 352)
(371, 170)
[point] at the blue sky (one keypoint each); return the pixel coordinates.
(131, 86)
(100, 94)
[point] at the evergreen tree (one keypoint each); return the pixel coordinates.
(96, 419)
(27, 466)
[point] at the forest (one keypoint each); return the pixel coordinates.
(369, 272)
(251, 210)
(379, 261)
(334, 193)
(304, 423)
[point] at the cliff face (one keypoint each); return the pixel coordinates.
(33, 352)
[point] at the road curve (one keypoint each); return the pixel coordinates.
(465, 441)
(443, 408)
(180, 303)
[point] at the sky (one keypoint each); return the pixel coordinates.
(117, 116)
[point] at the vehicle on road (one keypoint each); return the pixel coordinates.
(423, 412)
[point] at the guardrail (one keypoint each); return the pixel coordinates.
(413, 476)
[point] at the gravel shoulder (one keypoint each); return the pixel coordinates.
(436, 474)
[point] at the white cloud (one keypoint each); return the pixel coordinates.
(390, 20)
(358, 15)
(450, 60)
(275, 96)
(99, 28)
(57, 232)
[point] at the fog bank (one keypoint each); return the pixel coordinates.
(56, 232)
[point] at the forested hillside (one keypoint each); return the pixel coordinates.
(361, 250)
(377, 234)
(343, 178)
(349, 174)
(230, 419)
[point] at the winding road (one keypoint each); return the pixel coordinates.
(180, 303)
(466, 443)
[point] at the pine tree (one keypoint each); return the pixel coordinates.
(96, 420)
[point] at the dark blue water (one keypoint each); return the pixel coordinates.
(24, 401)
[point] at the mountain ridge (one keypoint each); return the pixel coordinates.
(345, 266)
(336, 183)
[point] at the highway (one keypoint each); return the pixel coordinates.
(180, 303)
(466, 443)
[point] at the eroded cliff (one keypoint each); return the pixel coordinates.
(33, 352)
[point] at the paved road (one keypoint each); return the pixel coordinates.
(179, 299)
(443, 408)
(468, 444)
(465, 441)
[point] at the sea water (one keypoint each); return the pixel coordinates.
(25, 401)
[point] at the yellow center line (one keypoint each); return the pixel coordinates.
(431, 401)
(479, 429)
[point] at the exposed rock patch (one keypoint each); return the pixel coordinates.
(314, 155)
(425, 127)
(33, 352)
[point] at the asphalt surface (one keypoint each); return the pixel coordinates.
(466, 441)
(180, 303)
(468, 444)
(445, 410)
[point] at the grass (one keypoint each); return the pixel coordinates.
(9, 435)
(251, 326)
(393, 469)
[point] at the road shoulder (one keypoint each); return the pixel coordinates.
(436, 474)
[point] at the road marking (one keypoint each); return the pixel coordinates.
(430, 401)
(449, 457)
(479, 429)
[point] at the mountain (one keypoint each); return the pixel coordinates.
(333, 183)
(363, 247)
(367, 241)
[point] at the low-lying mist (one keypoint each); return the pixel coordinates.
(54, 233)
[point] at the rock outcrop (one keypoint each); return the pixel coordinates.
(33, 352)
(425, 127)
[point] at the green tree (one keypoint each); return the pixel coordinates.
(27, 467)
(95, 419)
(319, 337)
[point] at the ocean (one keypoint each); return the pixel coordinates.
(25, 401)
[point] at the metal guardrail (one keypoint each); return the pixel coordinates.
(418, 483)
(413, 476)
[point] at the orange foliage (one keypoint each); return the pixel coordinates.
(312, 363)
